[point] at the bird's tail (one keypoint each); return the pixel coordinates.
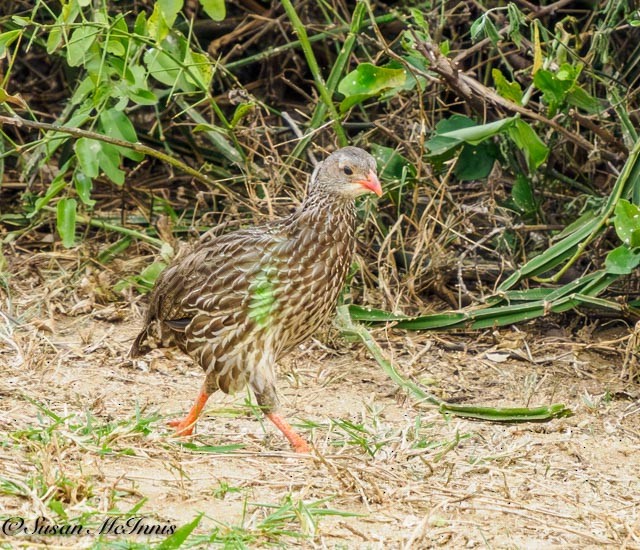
(140, 345)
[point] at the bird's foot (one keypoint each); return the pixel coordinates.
(298, 443)
(183, 427)
(301, 447)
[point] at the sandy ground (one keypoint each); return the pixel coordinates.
(83, 435)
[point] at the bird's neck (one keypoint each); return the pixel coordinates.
(322, 209)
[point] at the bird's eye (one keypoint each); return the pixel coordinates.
(348, 171)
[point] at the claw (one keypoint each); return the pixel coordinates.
(183, 427)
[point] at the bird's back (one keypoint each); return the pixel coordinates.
(271, 285)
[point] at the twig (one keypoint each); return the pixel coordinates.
(541, 12)
(138, 147)
(476, 94)
(86, 220)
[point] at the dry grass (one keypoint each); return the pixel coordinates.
(84, 436)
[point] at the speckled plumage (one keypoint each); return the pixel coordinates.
(238, 302)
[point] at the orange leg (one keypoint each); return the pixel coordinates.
(185, 426)
(299, 444)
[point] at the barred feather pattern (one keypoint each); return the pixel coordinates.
(238, 302)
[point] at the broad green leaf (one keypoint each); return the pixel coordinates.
(214, 9)
(109, 160)
(116, 124)
(84, 186)
(141, 96)
(477, 28)
(366, 81)
(439, 145)
(79, 45)
(463, 131)
(580, 98)
(140, 25)
(509, 90)
(170, 10)
(87, 151)
(622, 260)
(484, 26)
(516, 19)
(114, 47)
(54, 39)
(199, 69)
(475, 162)
(522, 195)
(162, 18)
(145, 280)
(6, 39)
(169, 62)
(491, 31)
(391, 164)
(535, 151)
(627, 223)
(369, 79)
(66, 221)
(477, 134)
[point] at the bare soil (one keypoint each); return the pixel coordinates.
(411, 477)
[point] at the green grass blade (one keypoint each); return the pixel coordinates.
(494, 414)
(508, 414)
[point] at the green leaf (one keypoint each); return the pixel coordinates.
(54, 39)
(366, 81)
(580, 98)
(57, 185)
(522, 195)
(475, 162)
(66, 221)
(87, 151)
(79, 45)
(241, 111)
(175, 65)
(459, 129)
(109, 161)
(554, 87)
(490, 29)
(162, 18)
(516, 19)
(391, 164)
(116, 124)
(214, 9)
(622, 260)
(509, 90)
(84, 186)
(478, 133)
(6, 39)
(627, 223)
(477, 28)
(170, 10)
(535, 151)
(176, 540)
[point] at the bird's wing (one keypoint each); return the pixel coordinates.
(224, 282)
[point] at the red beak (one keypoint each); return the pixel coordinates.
(372, 183)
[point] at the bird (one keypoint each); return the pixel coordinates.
(238, 302)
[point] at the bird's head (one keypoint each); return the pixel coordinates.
(348, 172)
